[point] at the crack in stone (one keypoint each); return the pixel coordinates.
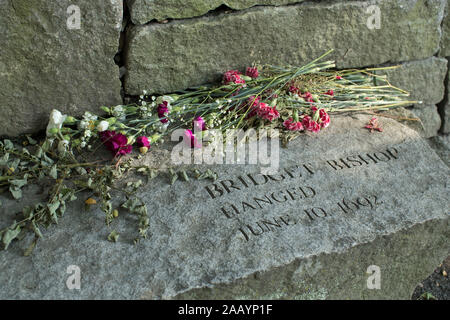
(442, 105)
(119, 57)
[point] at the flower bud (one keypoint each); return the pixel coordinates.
(154, 138)
(115, 213)
(106, 109)
(70, 120)
(111, 120)
(53, 131)
(143, 150)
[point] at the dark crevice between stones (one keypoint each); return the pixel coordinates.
(119, 58)
(221, 10)
(224, 9)
(441, 105)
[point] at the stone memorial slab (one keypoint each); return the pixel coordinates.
(343, 203)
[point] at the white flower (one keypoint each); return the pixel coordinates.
(89, 116)
(161, 127)
(56, 121)
(62, 146)
(102, 126)
(118, 108)
(161, 99)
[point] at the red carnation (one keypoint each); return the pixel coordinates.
(143, 142)
(163, 111)
(117, 143)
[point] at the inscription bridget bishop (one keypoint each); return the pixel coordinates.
(295, 193)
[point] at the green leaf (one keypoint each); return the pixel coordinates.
(4, 159)
(184, 175)
(113, 236)
(31, 140)
(27, 212)
(52, 207)
(36, 229)
(10, 235)
(54, 172)
(16, 192)
(8, 144)
(18, 183)
(39, 152)
(131, 204)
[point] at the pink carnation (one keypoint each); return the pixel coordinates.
(330, 93)
(314, 127)
(232, 76)
(291, 125)
(324, 118)
(199, 124)
(252, 72)
(117, 143)
(264, 111)
(306, 122)
(308, 97)
(191, 140)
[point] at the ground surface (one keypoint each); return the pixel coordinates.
(436, 284)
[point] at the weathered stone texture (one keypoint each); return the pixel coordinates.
(183, 53)
(423, 79)
(45, 65)
(429, 116)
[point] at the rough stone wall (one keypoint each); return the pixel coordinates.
(166, 45)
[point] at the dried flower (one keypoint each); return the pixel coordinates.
(374, 125)
(90, 201)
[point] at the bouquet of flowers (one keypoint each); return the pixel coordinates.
(294, 100)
